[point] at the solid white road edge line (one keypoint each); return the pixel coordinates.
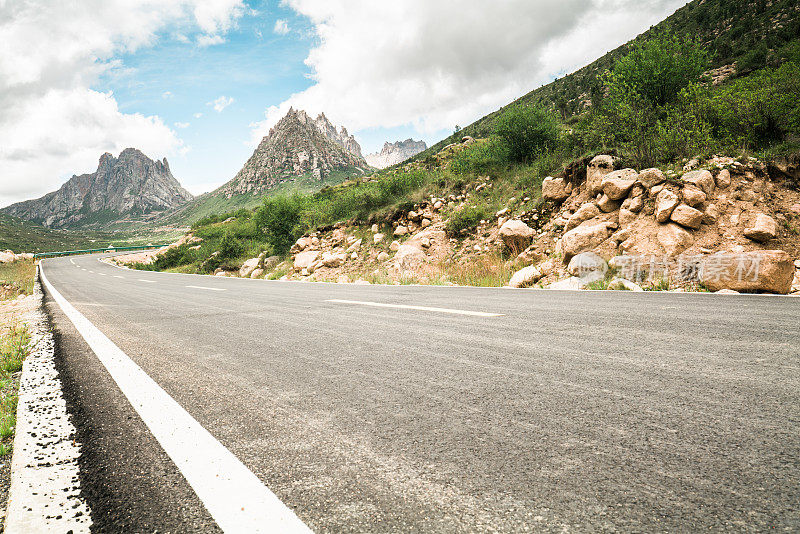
(236, 499)
(208, 288)
(419, 308)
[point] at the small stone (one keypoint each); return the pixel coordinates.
(383, 256)
(394, 246)
(400, 230)
(377, 238)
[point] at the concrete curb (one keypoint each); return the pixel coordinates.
(45, 487)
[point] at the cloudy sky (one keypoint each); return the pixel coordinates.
(201, 81)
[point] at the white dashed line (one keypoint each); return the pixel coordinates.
(118, 276)
(235, 497)
(418, 308)
(102, 274)
(147, 281)
(208, 288)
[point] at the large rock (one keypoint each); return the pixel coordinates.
(257, 273)
(304, 259)
(702, 179)
(573, 283)
(666, 202)
(607, 204)
(249, 266)
(525, 277)
(554, 189)
(516, 235)
(587, 262)
(617, 184)
(692, 195)
(7, 257)
(651, 177)
(674, 239)
(764, 228)
(687, 216)
(621, 284)
(724, 179)
(595, 171)
(585, 238)
(329, 259)
(762, 270)
(587, 211)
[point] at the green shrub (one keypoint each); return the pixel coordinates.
(480, 157)
(279, 218)
(526, 131)
(465, 220)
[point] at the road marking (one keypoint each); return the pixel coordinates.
(236, 499)
(148, 281)
(208, 288)
(72, 261)
(118, 276)
(92, 272)
(102, 274)
(418, 308)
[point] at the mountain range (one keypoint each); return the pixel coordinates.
(131, 185)
(394, 153)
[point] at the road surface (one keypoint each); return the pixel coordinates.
(390, 409)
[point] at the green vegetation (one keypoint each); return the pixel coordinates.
(525, 132)
(466, 220)
(15, 346)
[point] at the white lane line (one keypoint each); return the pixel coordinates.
(419, 308)
(148, 281)
(102, 274)
(92, 272)
(208, 288)
(236, 499)
(72, 261)
(118, 276)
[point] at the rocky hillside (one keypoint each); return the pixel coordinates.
(131, 185)
(394, 153)
(296, 147)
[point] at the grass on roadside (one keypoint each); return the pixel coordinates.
(18, 277)
(15, 346)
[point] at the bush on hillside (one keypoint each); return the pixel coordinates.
(279, 218)
(465, 220)
(526, 131)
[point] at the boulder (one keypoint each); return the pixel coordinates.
(355, 245)
(586, 262)
(302, 243)
(573, 283)
(409, 256)
(692, 195)
(687, 216)
(375, 228)
(525, 277)
(761, 270)
(634, 204)
(666, 202)
(607, 204)
(400, 230)
(621, 284)
(7, 257)
(616, 185)
(651, 177)
(377, 238)
(764, 228)
(329, 259)
(554, 189)
(257, 273)
(674, 239)
(585, 238)
(702, 179)
(304, 259)
(383, 256)
(425, 223)
(249, 266)
(516, 235)
(595, 171)
(626, 217)
(584, 213)
(270, 262)
(394, 246)
(711, 214)
(724, 179)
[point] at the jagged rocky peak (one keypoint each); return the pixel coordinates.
(394, 153)
(131, 184)
(297, 146)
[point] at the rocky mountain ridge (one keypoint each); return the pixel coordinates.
(394, 153)
(129, 185)
(297, 146)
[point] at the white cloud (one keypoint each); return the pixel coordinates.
(437, 64)
(221, 103)
(52, 123)
(181, 125)
(281, 27)
(167, 95)
(209, 40)
(197, 115)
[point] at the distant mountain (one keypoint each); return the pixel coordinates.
(394, 153)
(297, 147)
(131, 185)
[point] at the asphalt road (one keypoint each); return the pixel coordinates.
(578, 410)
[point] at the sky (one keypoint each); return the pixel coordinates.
(200, 82)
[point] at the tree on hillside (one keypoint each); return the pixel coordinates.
(527, 131)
